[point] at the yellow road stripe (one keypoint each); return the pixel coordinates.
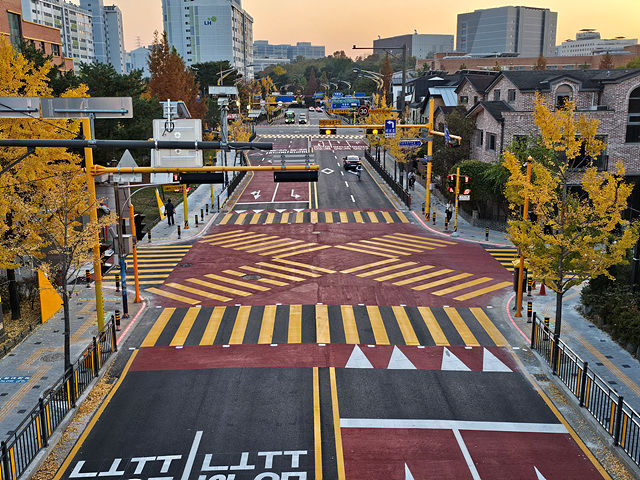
(305, 265)
(489, 327)
(322, 324)
(409, 335)
(173, 296)
(368, 265)
(239, 238)
(358, 217)
(226, 218)
(299, 217)
(215, 286)
(328, 217)
(161, 257)
(377, 325)
(418, 237)
(262, 243)
(343, 217)
(404, 243)
(240, 219)
(145, 264)
(387, 217)
(268, 322)
(197, 291)
(314, 217)
(295, 324)
(482, 291)
(442, 281)
(240, 326)
(284, 218)
(273, 274)
(386, 269)
(462, 286)
(270, 218)
(288, 269)
(224, 234)
(287, 249)
(255, 218)
(263, 280)
(403, 273)
(317, 433)
(372, 217)
(388, 246)
(435, 331)
(153, 335)
(307, 250)
(260, 288)
(414, 243)
(254, 242)
(149, 269)
(462, 328)
(402, 216)
(369, 252)
(349, 325)
(211, 330)
(336, 424)
(185, 327)
(285, 241)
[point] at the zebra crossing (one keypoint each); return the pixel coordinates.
(282, 216)
(324, 324)
(504, 256)
(310, 135)
(394, 245)
(155, 264)
(262, 244)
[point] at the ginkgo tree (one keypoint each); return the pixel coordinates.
(44, 197)
(577, 230)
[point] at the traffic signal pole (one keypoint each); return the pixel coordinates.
(185, 207)
(134, 239)
(427, 201)
(455, 219)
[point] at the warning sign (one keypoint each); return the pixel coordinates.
(327, 123)
(339, 111)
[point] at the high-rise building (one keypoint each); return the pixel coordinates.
(522, 31)
(588, 42)
(137, 60)
(266, 54)
(210, 30)
(419, 45)
(116, 53)
(74, 22)
(96, 7)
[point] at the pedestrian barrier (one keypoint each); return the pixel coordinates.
(386, 176)
(33, 433)
(610, 410)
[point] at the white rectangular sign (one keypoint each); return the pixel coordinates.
(178, 130)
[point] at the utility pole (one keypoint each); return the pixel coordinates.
(121, 257)
(404, 80)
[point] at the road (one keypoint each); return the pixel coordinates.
(319, 332)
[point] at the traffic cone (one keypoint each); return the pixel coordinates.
(542, 291)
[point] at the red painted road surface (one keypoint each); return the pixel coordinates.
(262, 189)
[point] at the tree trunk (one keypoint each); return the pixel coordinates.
(14, 295)
(558, 325)
(67, 324)
(395, 170)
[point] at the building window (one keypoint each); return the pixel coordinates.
(464, 99)
(15, 30)
(582, 161)
(512, 95)
(491, 142)
(633, 119)
(479, 138)
(496, 95)
(55, 50)
(564, 93)
(475, 99)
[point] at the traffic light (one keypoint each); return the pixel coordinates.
(453, 143)
(328, 131)
(466, 186)
(137, 219)
(199, 178)
(295, 176)
(105, 254)
(451, 184)
(373, 131)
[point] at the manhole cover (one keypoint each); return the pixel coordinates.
(541, 377)
(51, 357)
(251, 277)
(184, 265)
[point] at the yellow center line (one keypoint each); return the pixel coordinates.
(260, 288)
(403, 273)
(211, 330)
(489, 327)
(386, 269)
(349, 324)
(372, 217)
(322, 324)
(153, 335)
(268, 322)
(185, 327)
(462, 286)
(462, 328)
(295, 324)
(409, 335)
(336, 423)
(435, 331)
(197, 291)
(368, 265)
(240, 326)
(377, 325)
(317, 432)
(437, 283)
(358, 217)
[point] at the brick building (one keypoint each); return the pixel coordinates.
(15, 29)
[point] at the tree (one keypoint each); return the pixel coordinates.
(463, 66)
(312, 84)
(497, 67)
(606, 62)
(386, 70)
(59, 81)
(541, 64)
(575, 234)
(633, 63)
(171, 79)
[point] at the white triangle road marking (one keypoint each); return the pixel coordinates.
(280, 210)
(399, 361)
(540, 476)
(490, 363)
(240, 211)
(258, 211)
(452, 363)
(298, 209)
(407, 473)
(358, 359)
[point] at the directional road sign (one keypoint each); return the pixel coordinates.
(338, 94)
(285, 98)
(410, 142)
(345, 104)
(463, 198)
(363, 111)
(390, 128)
(359, 94)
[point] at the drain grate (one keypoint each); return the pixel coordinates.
(183, 265)
(251, 277)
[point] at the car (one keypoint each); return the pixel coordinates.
(351, 162)
(311, 109)
(302, 118)
(319, 109)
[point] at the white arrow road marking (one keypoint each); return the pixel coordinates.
(399, 361)
(256, 194)
(294, 195)
(540, 476)
(358, 359)
(407, 473)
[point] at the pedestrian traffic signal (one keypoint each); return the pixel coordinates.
(451, 185)
(140, 226)
(200, 178)
(373, 131)
(453, 143)
(328, 131)
(295, 176)
(466, 186)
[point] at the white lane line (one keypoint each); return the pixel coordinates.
(273, 199)
(345, 182)
(353, 199)
(342, 173)
(466, 455)
(192, 456)
(453, 424)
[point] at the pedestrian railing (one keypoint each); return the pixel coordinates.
(33, 433)
(610, 410)
(404, 195)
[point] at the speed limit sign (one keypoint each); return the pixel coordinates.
(363, 111)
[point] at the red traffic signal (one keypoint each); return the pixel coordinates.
(451, 184)
(466, 186)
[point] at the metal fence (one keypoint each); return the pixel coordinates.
(404, 195)
(33, 433)
(607, 406)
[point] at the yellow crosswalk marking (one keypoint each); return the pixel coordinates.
(482, 291)
(260, 288)
(240, 219)
(299, 217)
(402, 216)
(268, 322)
(386, 269)
(443, 281)
(368, 265)
(360, 250)
(275, 245)
(284, 218)
(270, 218)
(372, 217)
(349, 325)
(173, 296)
(240, 326)
(294, 334)
(387, 217)
(145, 264)
(409, 335)
(255, 218)
(404, 243)
(273, 274)
(215, 286)
(263, 280)
(432, 325)
(144, 269)
(462, 328)
(322, 324)
(224, 234)
(305, 265)
(462, 286)
(378, 249)
(226, 218)
(211, 330)
(153, 335)
(343, 217)
(377, 325)
(314, 217)
(403, 273)
(388, 246)
(328, 217)
(358, 217)
(288, 269)
(414, 243)
(197, 291)
(252, 243)
(423, 277)
(240, 238)
(157, 256)
(307, 250)
(185, 326)
(287, 249)
(489, 327)
(424, 239)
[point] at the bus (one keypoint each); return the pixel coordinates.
(289, 117)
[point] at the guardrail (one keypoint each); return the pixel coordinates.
(610, 410)
(33, 433)
(404, 195)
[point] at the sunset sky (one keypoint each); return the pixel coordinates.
(338, 24)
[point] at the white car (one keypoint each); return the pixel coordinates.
(302, 118)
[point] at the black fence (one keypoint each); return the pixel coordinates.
(404, 195)
(33, 433)
(607, 407)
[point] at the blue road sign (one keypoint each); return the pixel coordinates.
(447, 137)
(359, 94)
(285, 98)
(14, 379)
(390, 128)
(337, 94)
(410, 142)
(346, 104)
(318, 95)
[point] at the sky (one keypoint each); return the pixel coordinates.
(339, 24)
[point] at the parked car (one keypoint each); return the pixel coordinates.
(351, 162)
(312, 109)
(302, 118)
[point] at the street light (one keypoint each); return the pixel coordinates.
(376, 77)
